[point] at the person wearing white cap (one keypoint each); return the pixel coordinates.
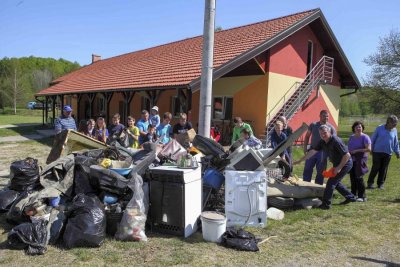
(154, 117)
(65, 121)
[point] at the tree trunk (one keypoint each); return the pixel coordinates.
(15, 91)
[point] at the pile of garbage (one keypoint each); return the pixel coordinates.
(77, 200)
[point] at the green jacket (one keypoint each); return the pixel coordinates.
(237, 130)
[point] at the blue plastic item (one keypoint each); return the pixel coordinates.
(110, 198)
(122, 171)
(55, 201)
(213, 178)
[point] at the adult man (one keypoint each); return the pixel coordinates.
(163, 131)
(384, 143)
(143, 125)
(239, 126)
(65, 121)
(334, 147)
(319, 159)
(116, 128)
(182, 126)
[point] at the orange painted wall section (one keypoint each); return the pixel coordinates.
(194, 114)
(250, 103)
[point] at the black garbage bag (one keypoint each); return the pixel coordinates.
(86, 225)
(239, 239)
(56, 226)
(109, 180)
(7, 198)
(24, 175)
(208, 146)
(29, 236)
(83, 183)
(16, 213)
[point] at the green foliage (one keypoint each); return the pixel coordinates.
(21, 78)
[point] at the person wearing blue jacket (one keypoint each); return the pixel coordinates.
(384, 143)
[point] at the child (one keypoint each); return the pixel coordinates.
(90, 126)
(164, 130)
(133, 133)
(154, 118)
(101, 132)
(151, 134)
(116, 128)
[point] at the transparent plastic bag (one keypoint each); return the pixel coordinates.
(132, 225)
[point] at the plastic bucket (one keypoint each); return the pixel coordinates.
(213, 178)
(213, 225)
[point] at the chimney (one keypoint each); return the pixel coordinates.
(95, 58)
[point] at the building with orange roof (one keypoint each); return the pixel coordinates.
(292, 66)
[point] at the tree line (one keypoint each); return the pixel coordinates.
(381, 92)
(21, 78)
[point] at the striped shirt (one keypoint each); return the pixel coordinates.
(65, 123)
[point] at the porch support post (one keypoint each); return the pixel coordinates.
(108, 96)
(128, 96)
(62, 101)
(46, 112)
(78, 108)
(182, 100)
(91, 97)
(53, 99)
(188, 100)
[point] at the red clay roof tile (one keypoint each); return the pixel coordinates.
(173, 64)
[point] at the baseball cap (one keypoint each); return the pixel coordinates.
(67, 108)
(155, 108)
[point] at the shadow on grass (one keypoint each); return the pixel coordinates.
(386, 263)
(397, 200)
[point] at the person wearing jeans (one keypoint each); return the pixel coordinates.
(384, 143)
(340, 157)
(319, 159)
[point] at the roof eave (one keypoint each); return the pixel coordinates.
(242, 58)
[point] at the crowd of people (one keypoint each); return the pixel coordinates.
(150, 128)
(320, 144)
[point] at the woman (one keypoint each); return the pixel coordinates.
(359, 146)
(277, 137)
(101, 132)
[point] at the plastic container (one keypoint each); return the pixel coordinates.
(121, 167)
(213, 178)
(213, 225)
(275, 214)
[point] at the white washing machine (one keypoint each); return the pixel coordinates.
(246, 198)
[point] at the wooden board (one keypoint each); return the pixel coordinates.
(69, 141)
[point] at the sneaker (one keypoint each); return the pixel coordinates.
(347, 201)
(324, 207)
(381, 187)
(370, 186)
(361, 199)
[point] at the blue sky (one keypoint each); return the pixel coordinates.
(74, 29)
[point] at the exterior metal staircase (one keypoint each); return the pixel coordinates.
(293, 99)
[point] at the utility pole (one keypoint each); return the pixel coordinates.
(207, 69)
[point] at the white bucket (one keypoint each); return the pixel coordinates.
(213, 225)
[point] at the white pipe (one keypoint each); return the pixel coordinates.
(207, 69)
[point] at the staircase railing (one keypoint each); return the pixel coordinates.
(322, 73)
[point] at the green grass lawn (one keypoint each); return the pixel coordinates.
(358, 234)
(22, 116)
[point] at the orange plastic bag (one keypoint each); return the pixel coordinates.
(328, 173)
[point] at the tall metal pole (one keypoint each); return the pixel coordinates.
(207, 69)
